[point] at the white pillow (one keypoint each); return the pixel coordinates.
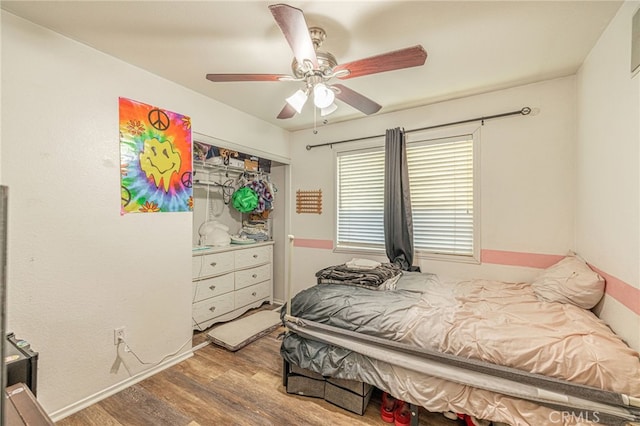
(570, 281)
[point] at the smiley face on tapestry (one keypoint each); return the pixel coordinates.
(159, 161)
(155, 152)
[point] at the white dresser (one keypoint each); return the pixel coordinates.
(228, 281)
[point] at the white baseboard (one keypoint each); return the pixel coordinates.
(200, 346)
(111, 390)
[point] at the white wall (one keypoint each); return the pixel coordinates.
(608, 190)
(76, 268)
(526, 175)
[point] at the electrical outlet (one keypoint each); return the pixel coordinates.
(118, 335)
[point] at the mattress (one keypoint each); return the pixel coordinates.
(497, 322)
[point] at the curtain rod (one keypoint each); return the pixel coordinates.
(523, 111)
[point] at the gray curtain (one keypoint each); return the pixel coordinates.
(398, 224)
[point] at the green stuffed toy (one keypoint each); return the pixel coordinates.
(244, 199)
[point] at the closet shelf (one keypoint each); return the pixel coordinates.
(237, 172)
(218, 167)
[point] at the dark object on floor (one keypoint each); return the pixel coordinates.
(351, 395)
(21, 363)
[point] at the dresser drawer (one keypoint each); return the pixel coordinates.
(215, 264)
(248, 295)
(253, 256)
(212, 287)
(196, 262)
(252, 276)
(213, 307)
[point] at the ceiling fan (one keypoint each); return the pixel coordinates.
(316, 68)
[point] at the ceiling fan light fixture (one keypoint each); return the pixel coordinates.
(322, 95)
(328, 110)
(297, 100)
(315, 67)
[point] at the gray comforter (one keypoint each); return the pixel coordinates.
(354, 308)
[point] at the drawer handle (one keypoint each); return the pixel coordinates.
(213, 264)
(212, 287)
(255, 256)
(213, 308)
(254, 276)
(254, 294)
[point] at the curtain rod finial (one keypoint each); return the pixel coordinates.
(308, 147)
(525, 111)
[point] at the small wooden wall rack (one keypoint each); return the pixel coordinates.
(309, 201)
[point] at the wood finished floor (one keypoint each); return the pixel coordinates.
(219, 387)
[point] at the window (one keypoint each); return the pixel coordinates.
(443, 199)
(361, 199)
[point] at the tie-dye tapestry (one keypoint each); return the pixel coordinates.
(155, 155)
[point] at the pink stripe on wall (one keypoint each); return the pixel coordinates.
(513, 258)
(309, 243)
(624, 293)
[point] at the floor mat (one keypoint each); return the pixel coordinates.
(239, 333)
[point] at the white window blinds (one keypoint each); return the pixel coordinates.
(360, 189)
(441, 175)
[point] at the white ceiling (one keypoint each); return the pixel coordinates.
(472, 46)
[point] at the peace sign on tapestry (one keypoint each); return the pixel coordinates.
(155, 156)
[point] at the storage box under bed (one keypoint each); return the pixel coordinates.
(351, 395)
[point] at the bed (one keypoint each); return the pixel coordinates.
(542, 330)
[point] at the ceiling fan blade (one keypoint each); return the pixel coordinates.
(356, 100)
(398, 59)
(219, 78)
(294, 27)
(287, 112)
